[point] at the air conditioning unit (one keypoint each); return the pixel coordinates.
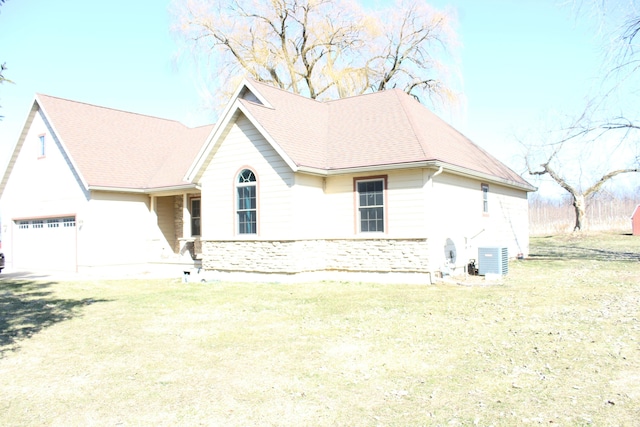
(493, 260)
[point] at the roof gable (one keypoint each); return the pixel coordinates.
(118, 149)
(377, 130)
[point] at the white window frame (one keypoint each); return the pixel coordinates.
(196, 217)
(380, 208)
(242, 183)
(485, 198)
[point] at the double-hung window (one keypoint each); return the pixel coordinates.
(485, 198)
(195, 217)
(246, 208)
(370, 204)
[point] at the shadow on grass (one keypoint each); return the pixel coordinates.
(28, 307)
(565, 252)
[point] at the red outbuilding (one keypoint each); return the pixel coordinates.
(635, 221)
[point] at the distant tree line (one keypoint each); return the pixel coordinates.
(606, 211)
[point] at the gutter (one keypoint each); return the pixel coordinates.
(169, 189)
(441, 166)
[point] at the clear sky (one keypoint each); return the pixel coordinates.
(521, 60)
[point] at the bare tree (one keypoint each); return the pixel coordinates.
(602, 143)
(323, 49)
(3, 79)
(578, 195)
(3, 66)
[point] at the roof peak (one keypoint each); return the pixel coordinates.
(328, 101)
(273, 87)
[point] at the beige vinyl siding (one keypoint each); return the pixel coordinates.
(165, 236)
(511, 218)
(340, 219)
(456, 212)
(309, 207)
(117, 229)
(244, 147)
(404, 209)
(40, 187)
(406, 204)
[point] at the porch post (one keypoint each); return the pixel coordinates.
(186, 217)
(152, 205)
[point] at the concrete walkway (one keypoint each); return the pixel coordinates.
(103, 274)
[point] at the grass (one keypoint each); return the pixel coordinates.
(557, 343)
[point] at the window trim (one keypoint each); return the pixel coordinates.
(236, 185)
(199, 217)
(356, 203)
(485, 198)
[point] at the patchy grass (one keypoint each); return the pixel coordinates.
(556, 343)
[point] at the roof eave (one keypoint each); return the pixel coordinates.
(459, 170)
(431, 164)
(177, 189)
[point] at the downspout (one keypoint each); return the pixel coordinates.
(438, 172)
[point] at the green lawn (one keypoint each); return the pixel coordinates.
(557, 343)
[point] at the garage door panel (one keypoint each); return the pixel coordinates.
(45, 244)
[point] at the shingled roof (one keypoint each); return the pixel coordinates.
(381, 129)
(117, 149)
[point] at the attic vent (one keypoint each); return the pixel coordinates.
(249, 96)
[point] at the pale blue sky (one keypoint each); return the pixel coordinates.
(521, 60)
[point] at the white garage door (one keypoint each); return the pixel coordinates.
(44, 244)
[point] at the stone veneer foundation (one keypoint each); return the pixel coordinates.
(302, 256)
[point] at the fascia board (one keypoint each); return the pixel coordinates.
(160, 190)
(364, 169)
(195, 170)
(212, 140)
(457, 170)
(117, 189)
(427, 164)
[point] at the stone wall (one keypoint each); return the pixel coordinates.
(178, 221)
(297, 256)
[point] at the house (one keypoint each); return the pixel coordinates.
(89, 187)
(376, 183)
(282, 186)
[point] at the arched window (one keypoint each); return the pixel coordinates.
(247, 210)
